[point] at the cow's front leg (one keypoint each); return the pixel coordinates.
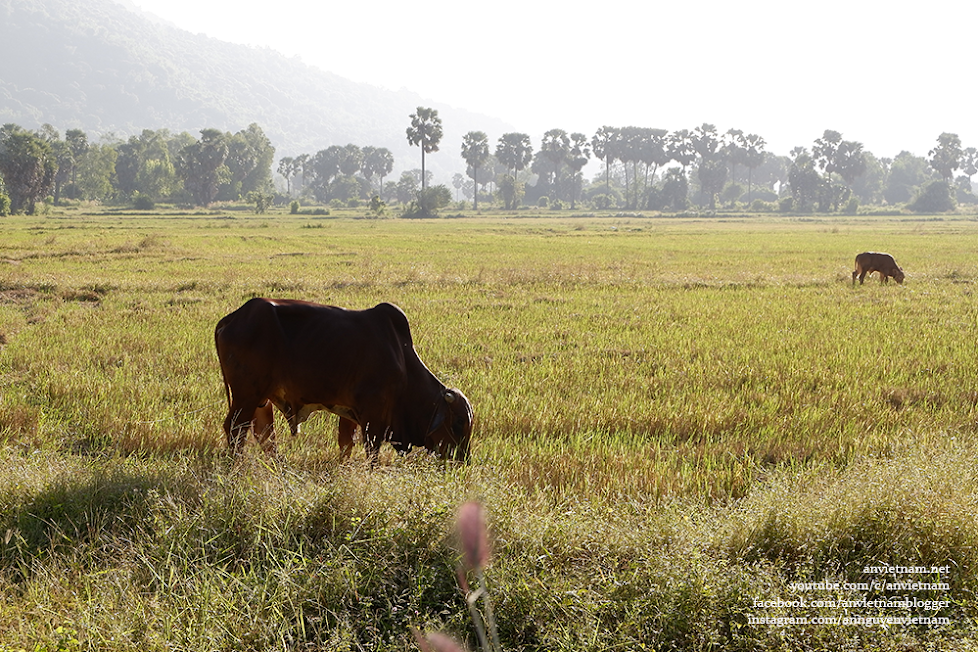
(345, 431)
(373, 436)
(264, 423)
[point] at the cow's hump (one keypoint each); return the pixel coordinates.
(397, 319)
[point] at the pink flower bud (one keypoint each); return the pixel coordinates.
(472, 532)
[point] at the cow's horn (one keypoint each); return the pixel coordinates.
(449, 396)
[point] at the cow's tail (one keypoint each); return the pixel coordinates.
(217, 345)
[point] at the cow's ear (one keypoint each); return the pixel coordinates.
(449, 396)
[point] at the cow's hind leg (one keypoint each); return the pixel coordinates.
(236, 426)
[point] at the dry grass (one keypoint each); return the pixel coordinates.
(674, 418)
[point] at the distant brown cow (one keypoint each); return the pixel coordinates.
(872, 261)
(359, 364)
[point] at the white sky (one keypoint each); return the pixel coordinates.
(890, 75)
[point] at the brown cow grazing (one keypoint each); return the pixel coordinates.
(872, 261)
(359, 364)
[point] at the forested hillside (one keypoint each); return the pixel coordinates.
(97, 66)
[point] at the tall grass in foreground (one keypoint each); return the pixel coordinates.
(674, 418)
(180, 554)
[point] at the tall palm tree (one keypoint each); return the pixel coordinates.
(425, 131)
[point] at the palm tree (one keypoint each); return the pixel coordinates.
(605, 146)
(514, 151)
(426, 131)
(475, 151)
(753, 157)
(555, 147)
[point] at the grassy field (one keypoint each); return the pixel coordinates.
(675, 418)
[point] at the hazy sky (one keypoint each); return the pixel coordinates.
(889, 77)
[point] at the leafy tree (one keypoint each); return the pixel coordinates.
(144, 165)
(302, 169)
(351, 160)
(348, 187)
(675, 189)
(907, 173)
(323, 168)
(249, 162)
(475, 152)
(969, 163)
(407, 187)
(850, 161)
(377, 161)
(288, 169)
(426, 132)
(77, 141)
(868, 187)
(946, 157)
(64, 158)
(28, 167)
(837, 156)
(95, 170)
(712, 169)
(804, 180)
(202, 166)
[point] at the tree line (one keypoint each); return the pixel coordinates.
(654, 169)
(641, 168)
(153, 166)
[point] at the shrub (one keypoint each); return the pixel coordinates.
(261, 201)
(761, 206)
(603, 201)
(786, 205)
(935, 197)
(377, 206)
(143, 202)
(429, 202)
(294, 207)
(4, 205)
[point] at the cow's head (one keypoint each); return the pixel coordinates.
(451, 426)
(898, 275)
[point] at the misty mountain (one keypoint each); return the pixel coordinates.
(106, 68)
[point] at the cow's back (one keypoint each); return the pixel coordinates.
(875, 260)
